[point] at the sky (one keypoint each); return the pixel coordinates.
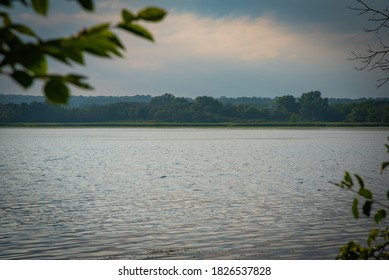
(261, 48)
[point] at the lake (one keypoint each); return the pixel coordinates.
(182, 193)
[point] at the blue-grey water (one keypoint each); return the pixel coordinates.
(87, 193)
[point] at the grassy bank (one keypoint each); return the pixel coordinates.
(171, 124)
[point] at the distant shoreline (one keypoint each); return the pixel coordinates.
(205, 125)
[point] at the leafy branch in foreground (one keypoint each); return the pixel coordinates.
(24, 54)
(377, 57)
(378, 238)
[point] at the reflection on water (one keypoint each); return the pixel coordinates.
(181, 193)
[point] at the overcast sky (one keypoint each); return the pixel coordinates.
(262, 48)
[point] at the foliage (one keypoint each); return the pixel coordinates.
(378, 238)
(24, 54)
(377, 57)
(168, 108)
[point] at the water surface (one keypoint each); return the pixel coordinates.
(182, 193)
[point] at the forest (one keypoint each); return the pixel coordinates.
(309, 107)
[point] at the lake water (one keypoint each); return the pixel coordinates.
(87, 193)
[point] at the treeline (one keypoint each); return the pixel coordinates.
(310, 107)
(75, 101)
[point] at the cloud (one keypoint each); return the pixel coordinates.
(187, 36)
(224, 38)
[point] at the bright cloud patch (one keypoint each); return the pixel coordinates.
(188, 36)
(240, 38)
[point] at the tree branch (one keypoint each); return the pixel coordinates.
(378, 58)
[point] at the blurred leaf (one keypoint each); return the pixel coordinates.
(35, 61)
(23, 30)
(10, 39)
(355, 208)
(23, 78)
(380, 215)
(136, 29)
(5, 3)
(77, 81)
(96, 29)
(372, 236)
(97, 40)
(87, 4)
(63, 51)
(54, 50)
(41, 6)
(127, 15)
(100, 44)
(367, 208)
(347, 177)
(56, 91)
(360, 181)
(152, 14)
(114, 39)
(384, 165)
(6, 19)
(74, 54)
(365, 193)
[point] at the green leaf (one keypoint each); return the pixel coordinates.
(6, 19)
(102, 44)
(41, 6)
(77, 81)
(23, 30)
(54, 50)
(35, 61)
(75, 55)
(10, 39)
(128, 16)
(372, 236)
(355, 208)
(87, 4)
(56, 91)
(114, 39)
(137, 29)
(347, 177)
(96, 29)
(384, 165)
(360, 181)
(152, 14)
(380, 215)
(367, 208)
(365, 193)
(23, 78)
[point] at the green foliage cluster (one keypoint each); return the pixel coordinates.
(203, 109)
(378, 238)
(312, 107)
(24, 54)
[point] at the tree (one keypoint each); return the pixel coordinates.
(377, 57)
(288, 103)
(208, 104)
(163, 100)
(313, 106)
(24, 54)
